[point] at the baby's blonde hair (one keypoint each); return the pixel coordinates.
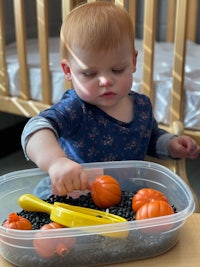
(96, 26)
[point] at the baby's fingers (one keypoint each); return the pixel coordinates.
(62, 189)
(195, 151)
(69, 185)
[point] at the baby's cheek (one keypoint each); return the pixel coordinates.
(86, 92)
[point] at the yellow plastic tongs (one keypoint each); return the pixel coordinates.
(68, 215)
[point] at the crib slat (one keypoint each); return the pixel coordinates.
(148, 47)
(42, 20)
(119, 2)
(132, 11)
(192, 19)
(66, 7)
(19, 13)
(3, 66)
(16, 105)
(171, 10)
(177, 100)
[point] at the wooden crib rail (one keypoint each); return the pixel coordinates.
(192, 19)
(177, 17)
(19, 14)
(181, 26)
(179, 14)
(42, 22)
(149, 34)
(24, 105)
(3, 69)
(177, 97)
(192, 9)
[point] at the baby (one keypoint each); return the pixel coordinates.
(100, 119)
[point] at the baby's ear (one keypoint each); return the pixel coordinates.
(66, 69)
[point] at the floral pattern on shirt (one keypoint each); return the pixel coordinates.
(87, 134)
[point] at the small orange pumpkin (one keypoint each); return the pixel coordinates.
(145, 195)
(106, 191)
(51, 225)
(48, 248)
(154, 208)
(17, 222)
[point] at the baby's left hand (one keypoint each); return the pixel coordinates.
(183, 147)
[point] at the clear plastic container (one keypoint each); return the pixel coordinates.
(105, 244)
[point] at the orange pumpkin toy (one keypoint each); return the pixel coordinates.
(144, 196)
(106, 191)
(154, 208)
(17, 222)
(48, 248)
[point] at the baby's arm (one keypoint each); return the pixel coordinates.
(66, 175)
(183, 147)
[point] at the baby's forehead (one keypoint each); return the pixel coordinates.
(93, 52)
(77, 48)
(92, 59)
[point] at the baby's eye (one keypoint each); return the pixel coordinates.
(89, 74)
(118, 70)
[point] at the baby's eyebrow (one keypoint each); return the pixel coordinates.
(89, 69)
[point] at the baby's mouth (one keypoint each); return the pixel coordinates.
(108, 94)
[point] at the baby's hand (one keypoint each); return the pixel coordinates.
(183, 147)
(67, 176)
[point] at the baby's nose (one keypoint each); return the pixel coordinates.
(105, 81)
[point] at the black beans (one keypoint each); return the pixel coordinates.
(123, 209)
(37, 219)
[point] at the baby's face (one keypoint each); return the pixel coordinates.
(102, 78)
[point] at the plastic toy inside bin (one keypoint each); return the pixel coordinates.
(146, 238)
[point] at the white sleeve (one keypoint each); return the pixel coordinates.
(162, 145)
(33, 125)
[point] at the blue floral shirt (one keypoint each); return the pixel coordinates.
(87, 134)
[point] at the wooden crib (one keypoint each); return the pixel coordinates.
(181, 26)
